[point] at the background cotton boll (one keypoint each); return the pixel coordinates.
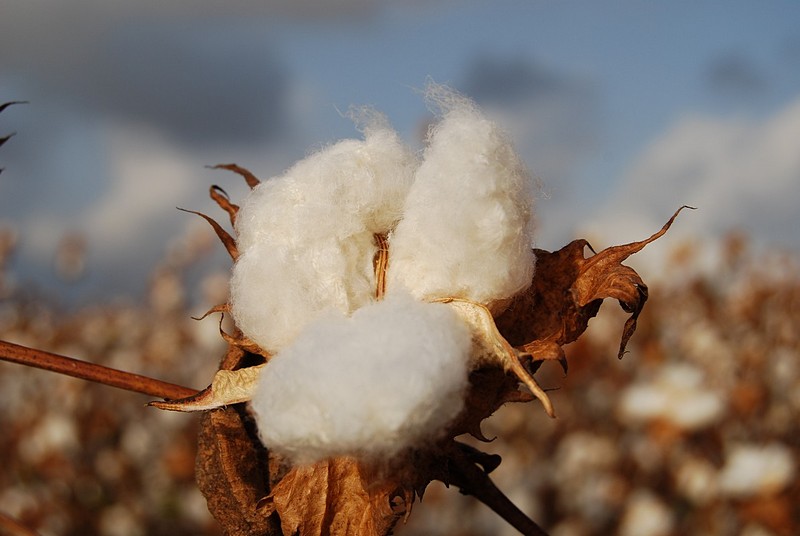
(388, 377)
(465, 231)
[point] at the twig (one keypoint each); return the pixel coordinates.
(92, 372)
(472, 480)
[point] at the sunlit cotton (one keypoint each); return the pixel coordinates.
(389, 377)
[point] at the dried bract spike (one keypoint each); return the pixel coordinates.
(221, 197)
(227, 240)
(252, 180)
(222, 308)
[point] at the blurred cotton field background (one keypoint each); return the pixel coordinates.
(623, 111)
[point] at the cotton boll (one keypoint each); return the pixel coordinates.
(306, 239)
(389, 377)
(465, 230)
(276, 291)
(349, 187)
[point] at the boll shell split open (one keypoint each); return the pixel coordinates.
(388, 377)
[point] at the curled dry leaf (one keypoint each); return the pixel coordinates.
(567, 292)
(338, 496)
(228, 387)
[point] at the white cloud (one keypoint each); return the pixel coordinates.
(149, 179)
(742, 174)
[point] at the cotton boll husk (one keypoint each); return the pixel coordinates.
(389, 377)
(466, 225)
(306, 239)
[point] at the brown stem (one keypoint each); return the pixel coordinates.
(472, 480)
(91, 372)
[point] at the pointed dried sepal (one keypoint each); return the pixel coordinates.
(221, 308)
(252, 180)
(228, 387)
(227, 240)
(224, 201)
(242, 342)
(491, 349)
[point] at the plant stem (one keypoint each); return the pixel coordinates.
(472, 480)
(92, 372)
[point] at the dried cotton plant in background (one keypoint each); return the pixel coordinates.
(385, 303)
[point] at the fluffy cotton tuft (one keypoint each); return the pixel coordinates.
(465, 230)
(306, 238)
(388, 377)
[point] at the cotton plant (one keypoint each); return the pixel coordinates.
(353, 374)
(384, 303)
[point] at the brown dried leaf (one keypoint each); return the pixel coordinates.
(233, 473)
(336, 497)
(567, 292)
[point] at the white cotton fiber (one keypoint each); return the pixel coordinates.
(465, 230)
(305, 239)
(388, 377)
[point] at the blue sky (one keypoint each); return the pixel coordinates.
(624, 110)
